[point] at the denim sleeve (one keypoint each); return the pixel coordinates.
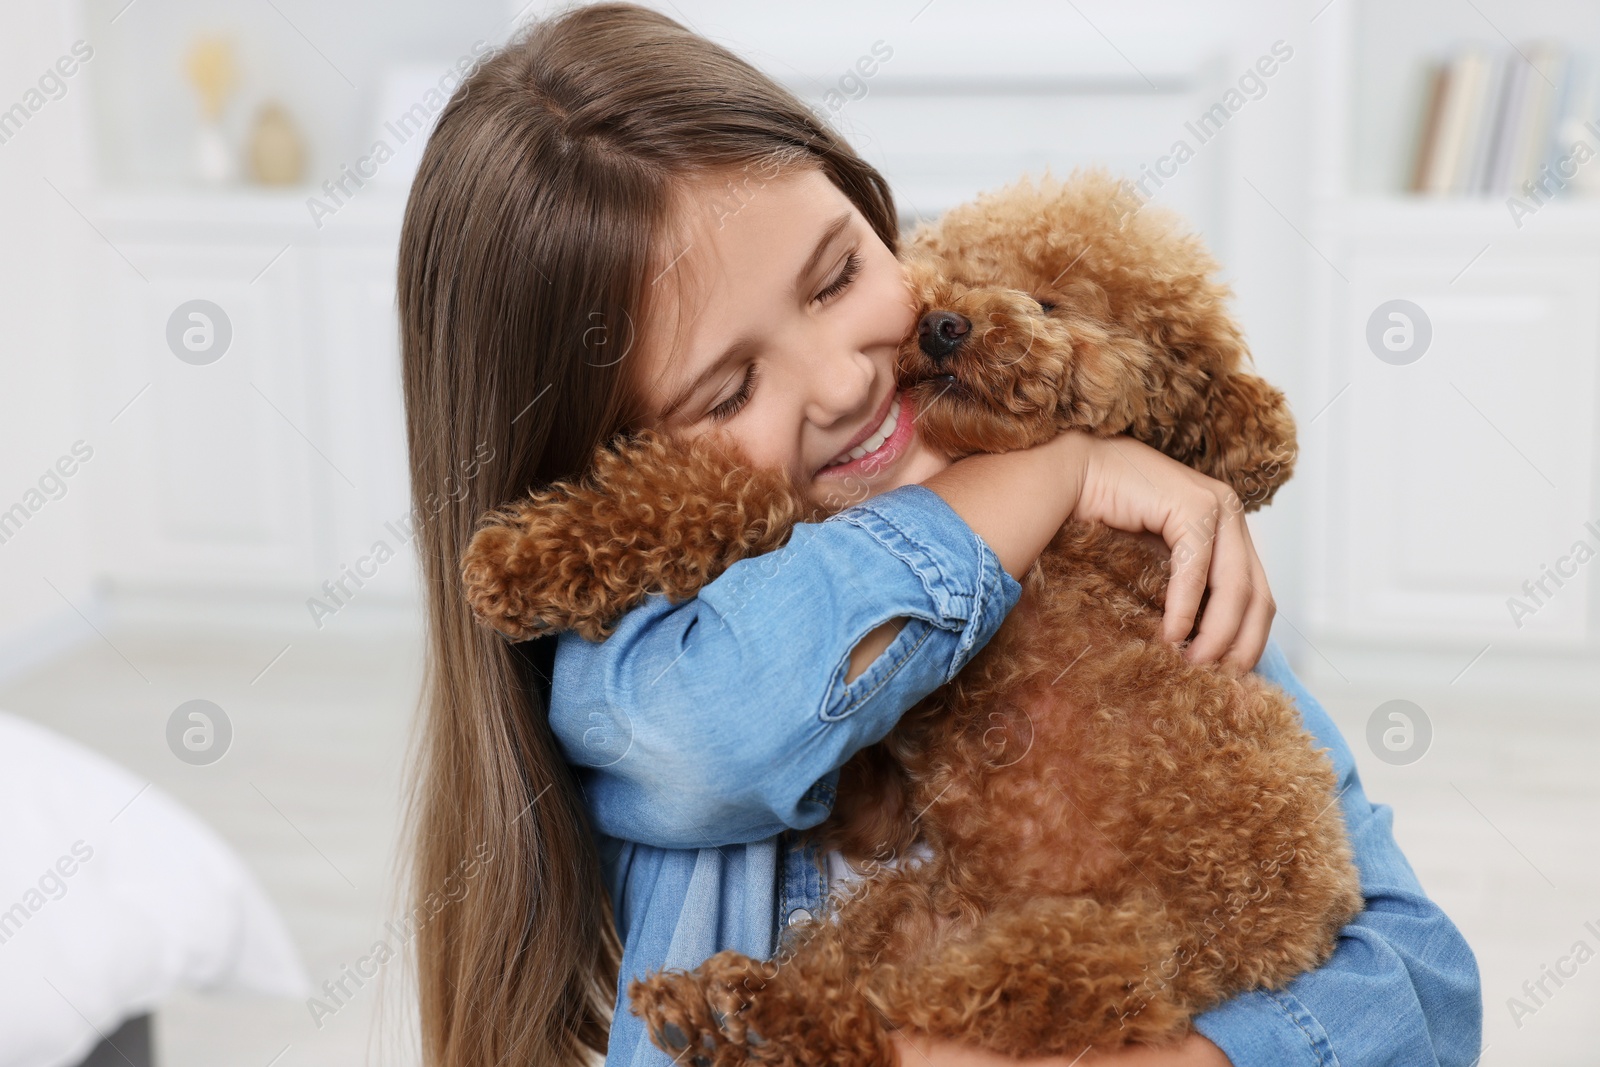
(724, 719)
(1402, 985)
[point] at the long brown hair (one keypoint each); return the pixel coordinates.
(536, 221)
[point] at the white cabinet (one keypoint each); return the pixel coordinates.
(209, 479)
(1456, 497)
(1454, 479)
(267, 467)
(358, 390)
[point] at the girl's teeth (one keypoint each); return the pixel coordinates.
(875, 442)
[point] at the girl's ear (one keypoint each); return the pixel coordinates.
(652, 516)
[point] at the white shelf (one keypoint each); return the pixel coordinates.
(1571, 220)
(182, 214)
(1441, 485)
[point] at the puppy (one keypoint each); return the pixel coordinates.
(1110, 839)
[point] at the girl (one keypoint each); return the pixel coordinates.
(617, 223)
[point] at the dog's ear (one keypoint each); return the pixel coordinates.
(1162, 287)
(1241, 433)
(652, 516)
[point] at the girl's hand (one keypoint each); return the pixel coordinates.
(1133, 487)
(1192, 1051)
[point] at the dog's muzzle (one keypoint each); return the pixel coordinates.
(940, 333)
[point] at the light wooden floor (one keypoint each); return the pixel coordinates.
(308, 793)
(1499, 819)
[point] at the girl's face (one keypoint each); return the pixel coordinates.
(777, 324)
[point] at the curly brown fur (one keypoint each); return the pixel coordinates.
(1138, 340)
(1119, 838)
(652, 516)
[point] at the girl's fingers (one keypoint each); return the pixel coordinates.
(1188, 535)
(1257, 627)
(1252, 639)
(1201, 520)
(1230, 594)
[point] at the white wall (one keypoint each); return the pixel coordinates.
(45, 571)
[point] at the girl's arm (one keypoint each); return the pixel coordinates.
(1016, 532)
(724, 719)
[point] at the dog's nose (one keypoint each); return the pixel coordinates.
(940, 333)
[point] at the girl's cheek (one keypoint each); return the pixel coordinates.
(893, 294)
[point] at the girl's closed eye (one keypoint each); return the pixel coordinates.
(731, 406)
(852, 267)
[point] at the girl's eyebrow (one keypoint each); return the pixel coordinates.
(834, 228)
(731, 353)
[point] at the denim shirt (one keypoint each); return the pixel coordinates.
(705, 734)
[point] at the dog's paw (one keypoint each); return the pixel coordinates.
(524, 574)
(670, 1037)
(704, 1020)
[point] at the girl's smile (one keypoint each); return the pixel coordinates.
(880, 446)
(777, 324)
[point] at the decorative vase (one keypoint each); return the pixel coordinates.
(277, 155)
(211, 71)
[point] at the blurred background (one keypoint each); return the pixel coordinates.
(210, 604)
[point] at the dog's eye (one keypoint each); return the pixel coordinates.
(1046, 305)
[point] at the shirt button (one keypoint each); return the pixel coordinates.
(799, 915)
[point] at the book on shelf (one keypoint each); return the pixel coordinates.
(1511, 121)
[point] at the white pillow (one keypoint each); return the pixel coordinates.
(106, 906)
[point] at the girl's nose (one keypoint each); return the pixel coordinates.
(840, 387)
